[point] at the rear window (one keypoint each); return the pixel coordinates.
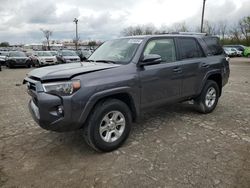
(214, 46)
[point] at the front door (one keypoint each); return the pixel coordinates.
(160, 83)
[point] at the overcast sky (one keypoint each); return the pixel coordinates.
(21, 20)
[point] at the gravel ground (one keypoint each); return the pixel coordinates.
(173, 146)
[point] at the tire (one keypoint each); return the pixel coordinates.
(208, 99)
(28, 64)
(38, 63)
(10, 65)
(98, 128)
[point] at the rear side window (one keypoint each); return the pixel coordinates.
(214, 46)
(189, 48)
(163, 47)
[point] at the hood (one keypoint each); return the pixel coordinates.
(21, 58)
(67, 71)
(46, 57)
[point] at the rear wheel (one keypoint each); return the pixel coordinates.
(208, 99)
(108, 126)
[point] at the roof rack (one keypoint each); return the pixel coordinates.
(187, 33)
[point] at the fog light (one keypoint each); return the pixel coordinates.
(60, 110)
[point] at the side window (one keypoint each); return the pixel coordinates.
(189, 48)
(163, 47)
(213, 45)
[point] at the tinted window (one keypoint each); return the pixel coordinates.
(69, 53)
(213, 45)
(163, 47)
(189, 48)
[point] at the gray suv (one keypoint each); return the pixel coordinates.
(124, 77)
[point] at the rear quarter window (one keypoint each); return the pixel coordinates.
(189, 48)
(214, 47)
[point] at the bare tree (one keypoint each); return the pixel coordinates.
(244, 25)
(139, 30)
(210, 28)
(222, 29)
(149, 29)
(235, 33)
(179, 27)
(47, 34)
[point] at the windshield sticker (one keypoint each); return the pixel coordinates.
(135, 41)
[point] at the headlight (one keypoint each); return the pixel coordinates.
(62, 88)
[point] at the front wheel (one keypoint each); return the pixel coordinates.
(208, 99)
(108, 126)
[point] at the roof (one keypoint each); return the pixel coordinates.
(180, 34)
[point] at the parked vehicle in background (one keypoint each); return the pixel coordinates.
(67, 56)
(231, 52)
(246, 52)
(54, 53)
(18, 59)
(237, 46)
(84, 54)
(123, 78)
(44, 58)
(3, 55)
(238, 52)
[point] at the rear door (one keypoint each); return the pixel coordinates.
(194, 65)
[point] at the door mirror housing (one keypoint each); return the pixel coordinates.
(151, 59)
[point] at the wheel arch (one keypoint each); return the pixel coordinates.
(121, 94)
(214, 76)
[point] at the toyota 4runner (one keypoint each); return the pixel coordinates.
(124, 77)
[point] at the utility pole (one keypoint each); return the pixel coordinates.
(202, 17)
(76, 40)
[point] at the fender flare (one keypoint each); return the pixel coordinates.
(208, 74)
(101, 95)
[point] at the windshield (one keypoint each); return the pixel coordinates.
(17, 54)
(119, 50)
(69, 53)
(53, 53)
(44, 54)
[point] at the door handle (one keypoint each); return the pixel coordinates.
(177, 70)
(205, 65)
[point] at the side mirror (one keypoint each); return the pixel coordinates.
(151, 59)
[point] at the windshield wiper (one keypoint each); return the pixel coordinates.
(106, 61)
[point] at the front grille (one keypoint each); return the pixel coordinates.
(49, 60)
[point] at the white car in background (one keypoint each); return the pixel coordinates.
(44, 58)
(238, 52)
(231, 52)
